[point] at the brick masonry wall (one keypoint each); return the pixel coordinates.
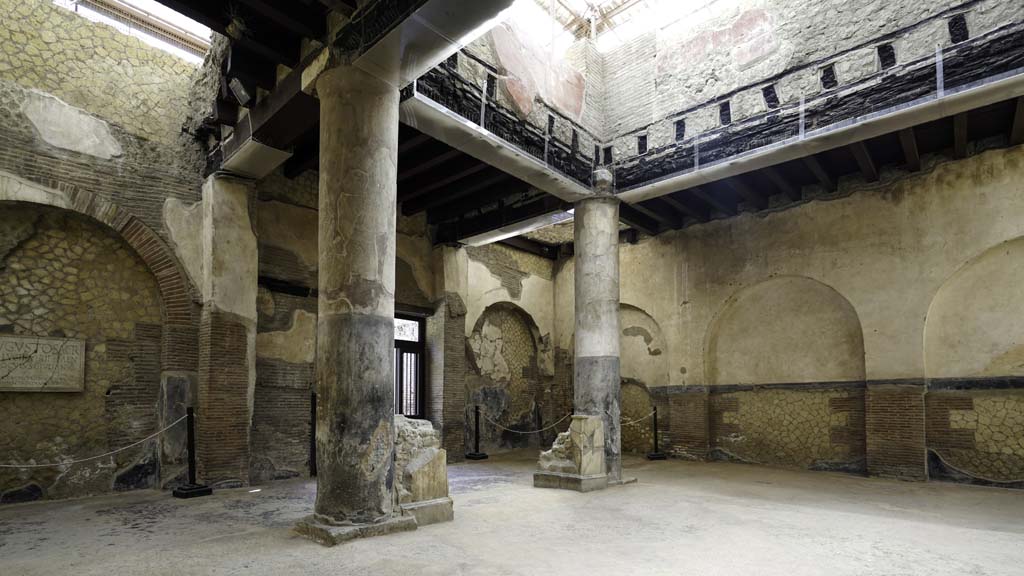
(895, 431)
(223, 425)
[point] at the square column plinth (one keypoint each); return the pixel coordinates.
(576, 460)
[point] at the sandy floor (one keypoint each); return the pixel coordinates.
(680, 518)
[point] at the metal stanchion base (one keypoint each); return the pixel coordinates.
(192, 491)
(657, 456)
(476, 456)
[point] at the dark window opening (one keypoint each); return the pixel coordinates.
(597, 154)
(575, 142)
(551, 124)
(409, 372)
(641, 144)
(492, 86)
(771, 97)
(886, 56)
(607, 155)
(725, 113)
(958, 29)
(828, 77)
(680, 129)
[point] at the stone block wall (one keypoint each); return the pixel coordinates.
(94, 67)
(64, 275)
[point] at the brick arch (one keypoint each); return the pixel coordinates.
(179, 339)
(175, 288)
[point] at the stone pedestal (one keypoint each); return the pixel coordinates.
(576, 461)
(355, 326)
(421, 472)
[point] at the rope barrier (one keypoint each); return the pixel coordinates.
(527, 431)
(111, 453)
(631, 422)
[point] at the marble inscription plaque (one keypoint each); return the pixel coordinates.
(40, 364)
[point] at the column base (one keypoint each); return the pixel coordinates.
(430, 511)
(622, 481)
(331, 535)
(565, 481)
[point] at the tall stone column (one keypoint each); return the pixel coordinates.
(355, 325)
(596, 385)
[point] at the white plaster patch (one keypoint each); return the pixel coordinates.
(184, 224)
(64, 126)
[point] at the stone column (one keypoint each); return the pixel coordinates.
(596, 385)
(355, 326)
(227, 332)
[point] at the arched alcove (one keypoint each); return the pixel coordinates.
(504, 378)
(974, 331)
(643, 361)
(974, 325)
(785, 329)
(65, 276)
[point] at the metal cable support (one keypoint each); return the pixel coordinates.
(111, 453)
(527, 431)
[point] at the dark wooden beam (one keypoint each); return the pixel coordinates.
(531, 246)
(494, 219)
(633, 217)
(439, 177)
(752, 196)
(1017, 126)
(908, 141)
(412, 143)
(683, 207)
(960, 135)
(480, 199)
(864, 160)
(481, 182)
(724, 206)
(787, 188)
(824, 178)
(661, 212)
(299, 20)
(202, 11)
(414, 166)
(306, 156)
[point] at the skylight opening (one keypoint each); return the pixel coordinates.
(149, 21)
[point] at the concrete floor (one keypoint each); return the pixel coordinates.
(680, 518)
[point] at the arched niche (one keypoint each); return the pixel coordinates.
(974, 325)
(505, 380)
(643, 355)
(785, 329)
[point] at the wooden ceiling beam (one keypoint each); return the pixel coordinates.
(633, 217)
(442, 175)
(489, 178)
(908, 142)
(960, 135)
(752, 196)
(865, 162)
(1017, 125)
(724, 206)
(820, 173)
(300, 21)
(661, 212)
(787, 188)
(683, 207)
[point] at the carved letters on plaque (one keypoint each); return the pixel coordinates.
(41, 364)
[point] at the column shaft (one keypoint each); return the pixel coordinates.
(596, 385)
(355, 327)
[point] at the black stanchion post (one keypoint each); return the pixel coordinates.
(476, 454)
(191, 490)
(657, 454)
